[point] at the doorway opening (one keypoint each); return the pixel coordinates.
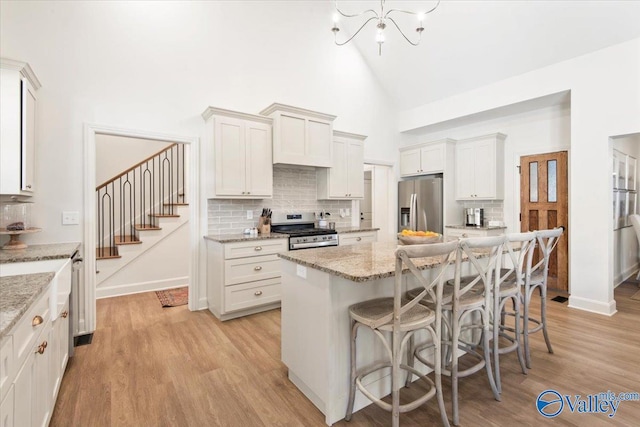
(87, 303)
(377, 207)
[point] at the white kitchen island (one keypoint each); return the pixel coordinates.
(318, 286)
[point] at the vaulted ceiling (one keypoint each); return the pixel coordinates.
(468, 44)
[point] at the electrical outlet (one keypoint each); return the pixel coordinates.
(70, 218)
(249, 214)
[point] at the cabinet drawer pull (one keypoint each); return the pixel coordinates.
(358, 239)
(257, 268)
(64, 314)
(465, 235)
(42, 347)
(257, 293)
(28, 185)
(37, 320)
(257, 248)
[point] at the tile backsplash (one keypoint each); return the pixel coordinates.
(294, 190)
(493, 209)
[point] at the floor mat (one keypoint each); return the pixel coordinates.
(174, 297)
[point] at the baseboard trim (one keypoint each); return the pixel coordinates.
(626, 275)
(593, 306)
(136, 288)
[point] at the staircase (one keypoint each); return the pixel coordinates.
(140, 208)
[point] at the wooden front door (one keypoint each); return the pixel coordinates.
(544, 204)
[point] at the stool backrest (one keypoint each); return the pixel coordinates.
(443, 254)
(547, 241)
(474, 249)
(520, 247)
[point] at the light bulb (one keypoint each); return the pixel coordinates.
(420, 17)
(380, 37)
(336, 17)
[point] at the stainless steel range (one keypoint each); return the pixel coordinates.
(302, 231)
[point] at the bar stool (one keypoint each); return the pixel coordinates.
(509, 290)
(403, 318)
(537, 279)
(460, 302)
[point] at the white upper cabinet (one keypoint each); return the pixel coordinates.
(480, 168)
(424, 159)
(18, 85)
(238, 155)
(300, 137)
(345, 178)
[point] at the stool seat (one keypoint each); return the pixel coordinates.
(371, 312)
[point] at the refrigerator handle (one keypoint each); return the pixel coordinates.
(412, 212)
(415, 212)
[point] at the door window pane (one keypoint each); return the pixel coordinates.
(552, 194)
(533, 181)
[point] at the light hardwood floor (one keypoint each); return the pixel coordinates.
(149, 366)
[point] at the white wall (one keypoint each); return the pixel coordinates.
(157, 66)
(538, 131)
(115, 154)
(625, 242)
(605, 101)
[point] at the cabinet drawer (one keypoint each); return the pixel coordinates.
(252, 294)
(29, 328)
(254, 248)
(356, 238)
(6, 365)
(251, 269)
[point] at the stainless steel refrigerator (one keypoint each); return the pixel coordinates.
(420, 204)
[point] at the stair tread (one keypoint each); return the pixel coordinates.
(145, 227)
(106, 253)
(127, 240)
(165, 215)
(176, 204)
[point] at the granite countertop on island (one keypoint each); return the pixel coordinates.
(18, 293)
(39, 253)
(358, 263)
(232, 238)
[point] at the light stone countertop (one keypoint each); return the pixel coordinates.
(39, 253)
(342, 230)
(358, 263)
(470, 227)
(18, 293)
(232, 238)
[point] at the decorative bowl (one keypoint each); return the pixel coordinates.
(419, 240)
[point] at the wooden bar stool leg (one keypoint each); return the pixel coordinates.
(352, 389)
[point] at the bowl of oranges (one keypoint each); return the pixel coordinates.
(410, 237)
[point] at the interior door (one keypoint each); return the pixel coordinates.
(544, 204)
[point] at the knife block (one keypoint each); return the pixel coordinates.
(264, 225)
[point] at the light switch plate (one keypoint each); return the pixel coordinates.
(70, 218)
(249, 214)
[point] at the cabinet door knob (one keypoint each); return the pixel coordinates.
(64, 314)
(28, 185)
(257, 248)
(257, 293)
(42, 347)
(465, 235)
(248, 192)
(37, 320)
(358, 239)
(257, 268)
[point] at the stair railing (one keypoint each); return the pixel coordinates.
(131, 201)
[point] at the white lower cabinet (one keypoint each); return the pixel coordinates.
(243, 277)
(34, 356)
(6, 409)
(345, 239)
(473, 232)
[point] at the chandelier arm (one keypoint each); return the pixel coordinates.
(403, 35)
(356, 33)
(386, 15)
(346, 15)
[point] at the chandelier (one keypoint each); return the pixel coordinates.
(381, 18)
